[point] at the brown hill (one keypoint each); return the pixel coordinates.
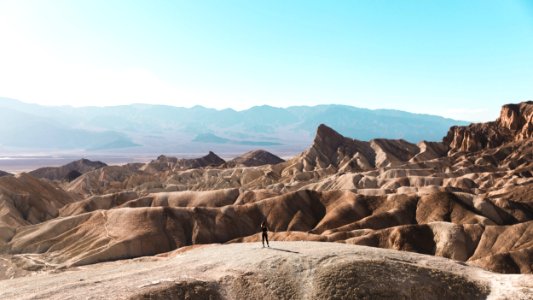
(111, 179)
(254, 158)
(97, 202)
(165, 163)
(2, 173)
(69, 171)
(210, 160)
(25, 200)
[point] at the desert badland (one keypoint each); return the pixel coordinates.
(459, 211)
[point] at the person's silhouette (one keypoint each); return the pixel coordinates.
(264, 229)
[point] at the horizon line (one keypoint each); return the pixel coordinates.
(237, 110)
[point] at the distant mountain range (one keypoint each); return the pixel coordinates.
(143, 128)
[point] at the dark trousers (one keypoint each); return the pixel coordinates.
(265, 237)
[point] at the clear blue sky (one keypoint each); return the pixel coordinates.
(461, 59)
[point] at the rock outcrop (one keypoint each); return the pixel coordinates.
(165, 163)
(2, 173)
(210, 160)
(514, 124)
(336, 152)
(68, 172)
(25, 200)
(518, 118)
(254, 158)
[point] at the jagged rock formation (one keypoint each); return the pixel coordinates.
(473, 204)
(332, 153)
(514, 124)
(69, 171)
(164, 163)
(335, 162)
(332, 149)
(254, 158)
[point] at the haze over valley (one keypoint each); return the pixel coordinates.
(35, 136)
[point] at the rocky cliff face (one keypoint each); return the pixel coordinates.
(514, 124)
(518, 118)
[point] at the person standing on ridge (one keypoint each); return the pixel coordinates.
(264, 229)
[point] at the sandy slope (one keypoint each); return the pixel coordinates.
(302, 270)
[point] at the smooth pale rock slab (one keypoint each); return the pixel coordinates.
(302, 270)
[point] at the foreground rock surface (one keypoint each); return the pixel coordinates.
(287, 270)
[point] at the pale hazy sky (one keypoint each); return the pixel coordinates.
(460, 59)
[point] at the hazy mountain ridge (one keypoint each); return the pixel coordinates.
(28, 131)
(193, 129)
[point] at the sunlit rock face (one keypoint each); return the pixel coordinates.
(514, 124)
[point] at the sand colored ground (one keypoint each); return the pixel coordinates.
(287, 270)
